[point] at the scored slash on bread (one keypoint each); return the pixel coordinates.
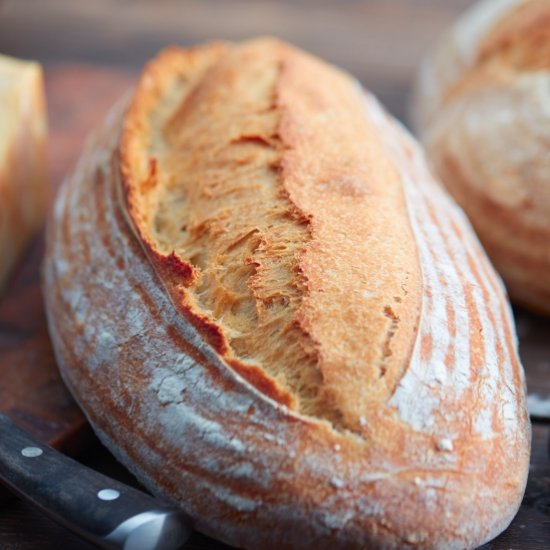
(273, 315)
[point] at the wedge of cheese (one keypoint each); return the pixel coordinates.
(23, 131)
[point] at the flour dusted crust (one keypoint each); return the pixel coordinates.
(274, 316)
(482, 105)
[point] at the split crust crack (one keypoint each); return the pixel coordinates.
(224, 209)
(257, 202)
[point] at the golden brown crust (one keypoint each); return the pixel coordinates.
(292, 273)
(486, 134)
(520, 40)
(161, 382)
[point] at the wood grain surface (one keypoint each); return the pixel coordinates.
(92, 51)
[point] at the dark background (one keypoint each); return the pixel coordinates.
(379, 41)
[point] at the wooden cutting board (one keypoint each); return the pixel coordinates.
(31, 391)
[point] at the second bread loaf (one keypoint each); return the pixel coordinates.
(483, 108)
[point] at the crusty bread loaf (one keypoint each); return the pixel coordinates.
(274, 316)
(483, 107)
(23, 177)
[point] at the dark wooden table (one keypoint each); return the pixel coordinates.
(380, 41)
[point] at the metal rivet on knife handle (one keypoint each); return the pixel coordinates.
(31, 452)
(108, 494)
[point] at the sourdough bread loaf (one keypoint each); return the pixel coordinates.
(483, 108)
(274, 317)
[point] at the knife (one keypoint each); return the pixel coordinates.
(107, 513)
(538, 407)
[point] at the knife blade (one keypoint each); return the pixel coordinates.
(538, 407)
(106, 512)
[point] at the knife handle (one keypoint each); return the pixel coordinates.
(96, 507)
